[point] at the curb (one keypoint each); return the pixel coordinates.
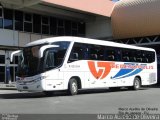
(8, 86)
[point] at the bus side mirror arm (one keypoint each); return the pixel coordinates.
(13, 54)
(43, 48)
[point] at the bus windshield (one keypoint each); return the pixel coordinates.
(30, 63)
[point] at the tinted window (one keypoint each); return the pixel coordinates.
(53, 26)
(8, 19)
(81, 28)
(74, 29)
(141, 56)
(96, 52)
(2, 59)
(150, 56)
(28, 17)
(1, 22)
(36, 23)
(68, 27)
(126, 55)
(60, 23)
(45, 29)
(77, 52)
(82, 51)
(110, 54)
(2, 73)
(61, 27)
(18, 20)
(45, 25)
(45, 20)
(50, 60)
(55, 56)
(28, 22)
(28, 27)
(1, 18)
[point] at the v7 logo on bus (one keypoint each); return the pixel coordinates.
(104, 69)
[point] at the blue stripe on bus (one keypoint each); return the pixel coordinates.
(123, 73)
(130, 74)
(133, 73)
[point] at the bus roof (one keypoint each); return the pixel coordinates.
(85, 40)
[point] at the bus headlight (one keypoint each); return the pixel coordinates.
(39, 78)
(17, 79)
(33, 80)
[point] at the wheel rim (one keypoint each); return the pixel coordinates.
(137, 84)
(74, 87)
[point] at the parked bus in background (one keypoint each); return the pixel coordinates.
(73, 63)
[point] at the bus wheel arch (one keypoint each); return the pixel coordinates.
(73, 85)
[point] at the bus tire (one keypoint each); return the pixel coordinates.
(72, 87)
(136, 84)
(48, 93)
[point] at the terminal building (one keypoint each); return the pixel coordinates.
(136, 22)
(23, 21)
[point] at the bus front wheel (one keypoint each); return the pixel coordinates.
(73, 87)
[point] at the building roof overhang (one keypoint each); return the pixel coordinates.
(99, 7)
(136, 18)
(96, 7)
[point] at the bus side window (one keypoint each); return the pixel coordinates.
(93, 52)
(133, 56)
(101, 53)
(153, 56)
(126, 55)
(139, 56)
(93, 56)
(110, 55)
(150, 56)
(144, 58)
(74, 56)
(77, 52)
(49, 60)
(96, 52)
(60, 56)
(86, 53)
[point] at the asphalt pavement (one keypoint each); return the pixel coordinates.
(90, 102)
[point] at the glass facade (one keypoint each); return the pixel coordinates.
(40, 24)
(1, 18)
(36, 23)
(8, 19)
(18, 21)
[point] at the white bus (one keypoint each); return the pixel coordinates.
(73, 63)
